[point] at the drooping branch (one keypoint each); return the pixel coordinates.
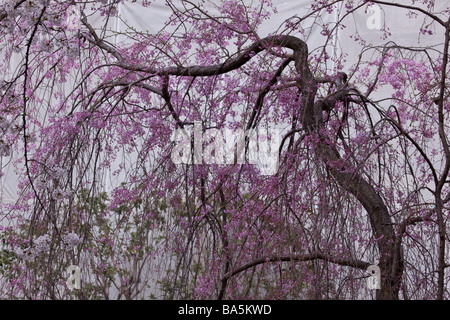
(263, 93)
(446, 169)
(404, 6)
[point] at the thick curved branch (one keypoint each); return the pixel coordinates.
(298, 46)
(264, 91)
(166, 97)
(358, 264)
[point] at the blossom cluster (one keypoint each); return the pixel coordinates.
(42, 244)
